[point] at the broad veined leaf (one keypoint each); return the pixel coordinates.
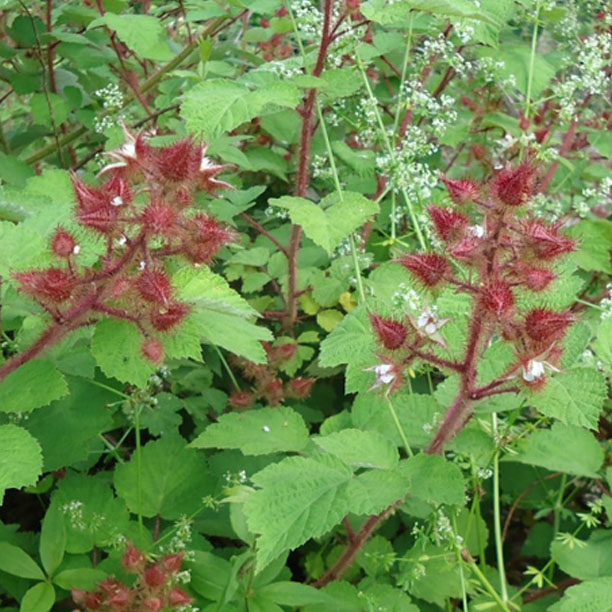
(357, 448)
(298, 498)
(434, 479)
(256, 432)
(15, 561)
(590, 596)
(38, 598)
(591, 560)
(20, 458)
(563, 448)
(574, 397)
(164, 480)
(81, 578)
(330, 221)
(373, 491)
(32, 385)
(52, 539)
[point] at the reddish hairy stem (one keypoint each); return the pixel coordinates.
(264, 232)
(566, 145)
(303, 176)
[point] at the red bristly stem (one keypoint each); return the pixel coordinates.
(303, 175)
(566, 145)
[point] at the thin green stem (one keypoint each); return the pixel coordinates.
(112, 449)
(489, 587)
(399, 427)
(227, 368)
(557, 516)
(534, 43)
(497, 515)
(137, 410)
(461, 572)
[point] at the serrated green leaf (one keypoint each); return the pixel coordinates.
(298, 499)
(144, 34)
(434, 479)
(15, 561)
(563, 448)
(330, 221)
(34, 384)
(256, 432)
(20, 458)
(574, 397)
(164, 480)
(590, 596)
(116, 347)
(366, 449)
(287, 593)
(38, 598)
(591, 560)
(375, 490)
(80, 578)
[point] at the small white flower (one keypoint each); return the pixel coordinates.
(384, 373)
(122, 240)
(429, 323)
(142, 265)
(117, 201)
(266, 429)
(536, 370)
(77, 249)
(476, 230)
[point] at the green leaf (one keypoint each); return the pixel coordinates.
(116, 347)
(563, 448)
(15, 561)
(39, 598)
(98, 517)
(357, 448)
(81, 578)
(52, 539)
(210, 574)
(143, 34)
(20, 458)
(594, 245)
(574, 397)
(416, 413)
(13, 171)
(434, 479)
(220, 105)
(164, 480)
(287, 593)
(590, 596)
(351, 341)
(330, 221)
(34, 384)
(375, 490)
(593, 559)
(298, 499)
(256, 432)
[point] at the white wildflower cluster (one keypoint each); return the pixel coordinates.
(485, 473)
(367, 132)
(320, 167)
(414, 178)
(273, 212)
(464, 31)
(492, 72)
(590, 197)
(112, 96)
(407, 299)
(345, 43)
(74, 511)
(17, 417)
(182, 536)
(543, 206)
(441, 49)
(309, 17)
(606, 304)
(588, 73)
(236, 478)
(101, 124)
(283, 68)
(443, 531)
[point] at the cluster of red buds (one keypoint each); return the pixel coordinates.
(267, 383)
(153, 590)
(144, 213)
(493, 250)
(276, 47)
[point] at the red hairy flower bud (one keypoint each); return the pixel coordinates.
(497, 298)
(274, 393)
(93, 601)
(154, 286)
(241, 400)
(117, 190)
(300, 387)
(177, 597)
(514, 186)
(94, 209)
(119, 598)
(63, 243)
(391, 334)
(133, 560)
(544, 325)
(534, 278)
(152, 603)
(429, 268)
(153, 350)
(78, 595)
(159, 218)
(172, 563)
(180, 161)
(207, 174)
(546, 241)
(169, 316)
(53, 284)
(155, 577)
(461, 190)
(449, 224)
(206, 236)
(281, 354)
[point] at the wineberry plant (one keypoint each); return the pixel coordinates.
(305, 305)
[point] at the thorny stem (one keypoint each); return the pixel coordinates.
(303, 175)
